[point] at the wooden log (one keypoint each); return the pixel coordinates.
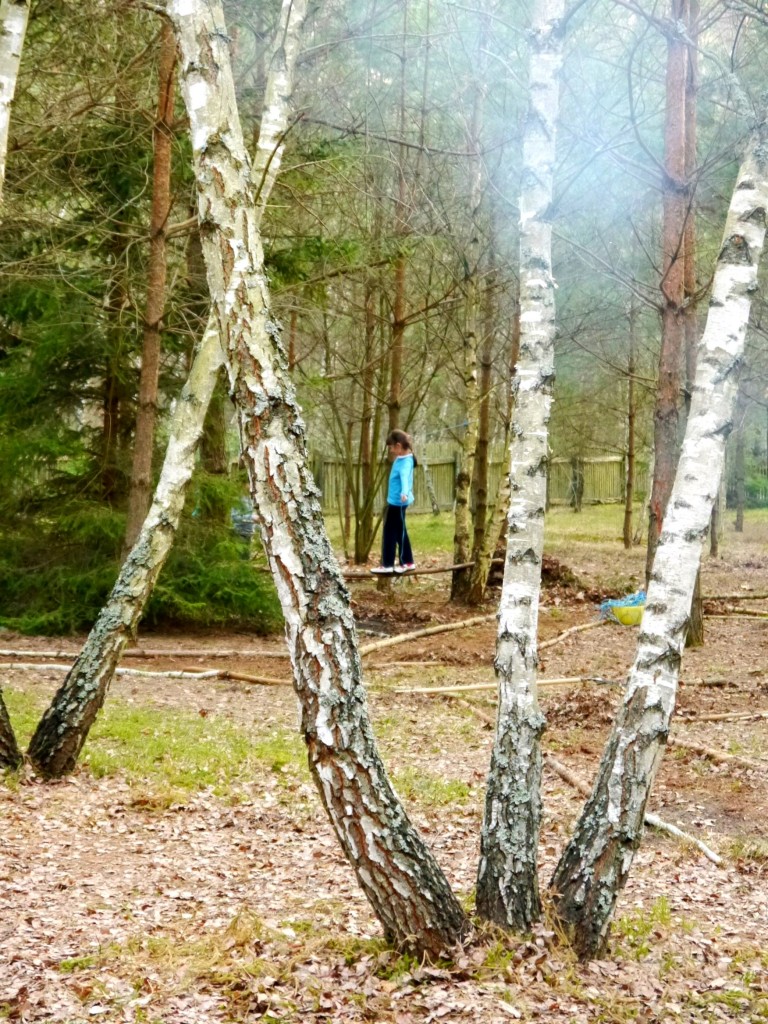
(214, 673)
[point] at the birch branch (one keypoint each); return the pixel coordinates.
(650, 819)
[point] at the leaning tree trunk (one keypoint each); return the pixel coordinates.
(63, 729)
(10, 755)
(14, 17)
(596, 862)
(507, 884)
(139, 495)
(406, 888)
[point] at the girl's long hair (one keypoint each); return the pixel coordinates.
(405, 440)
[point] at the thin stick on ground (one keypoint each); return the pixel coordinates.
(138, 652)
(563, 680)
(214, 673)
(417, 634)
(650, 819)
(718, 756)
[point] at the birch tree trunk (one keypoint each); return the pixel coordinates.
(507, 884)
(10, 755)
(14, 17)
(406, 888)
(596, 862)
(63, 729)
(140, 492)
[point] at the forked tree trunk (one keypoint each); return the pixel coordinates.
(596, 862)
(14, 17)
(507, 884)
(10, 755)
(406, 888)
(63, 729)
(140, 492)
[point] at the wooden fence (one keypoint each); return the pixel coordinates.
(602, 479)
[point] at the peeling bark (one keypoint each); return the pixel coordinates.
(406, 888)
(507, 883)
(14, 17)
(596, 862)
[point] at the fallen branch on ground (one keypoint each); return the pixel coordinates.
(736, 597)
(492, 686)
(728, 716)
(569, 632)
(138, 652)
(214, 673)
(650, 819)
(718, 756)
(417, 634)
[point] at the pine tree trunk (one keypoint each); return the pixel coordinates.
(64, 727)
(629, 487)
(596, 862)
(139, 495)
(405, 886)
(507, 883)
(10, 755)
(14, 17)
(666, 429)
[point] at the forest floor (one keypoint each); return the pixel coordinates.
(186, 873)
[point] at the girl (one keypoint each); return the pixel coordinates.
(399, 497)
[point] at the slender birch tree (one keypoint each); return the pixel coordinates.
(64, 727)
(405, 886)
(14, 17)
(596, 862)
(507, 884)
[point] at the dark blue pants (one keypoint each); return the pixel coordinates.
(395, 536)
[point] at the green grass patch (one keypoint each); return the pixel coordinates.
(186, 752)
(427, 789)
(635, 931)
(172, 752)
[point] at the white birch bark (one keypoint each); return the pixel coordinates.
(596, 862)
(62, 731)
(14, 17)
(507, 885)
(398, 874)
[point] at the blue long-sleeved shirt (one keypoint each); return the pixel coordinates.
(400, 490)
